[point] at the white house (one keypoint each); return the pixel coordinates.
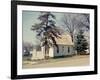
(65, 48)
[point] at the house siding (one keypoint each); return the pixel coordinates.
(37, 54)
(51, 52)
(63, 50)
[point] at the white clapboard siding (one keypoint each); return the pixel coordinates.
(37, 55)
(63, 50)
(51, 52)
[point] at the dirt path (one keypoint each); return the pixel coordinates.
(80, 60)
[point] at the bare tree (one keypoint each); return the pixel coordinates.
(74, 22)
(27, 47)
(69, 23)
(87, 21)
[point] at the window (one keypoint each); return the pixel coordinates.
(68, 49)
(63, 49)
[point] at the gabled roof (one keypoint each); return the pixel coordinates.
(65, 40)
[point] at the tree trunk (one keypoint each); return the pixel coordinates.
(46, 52)
(72, 37)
